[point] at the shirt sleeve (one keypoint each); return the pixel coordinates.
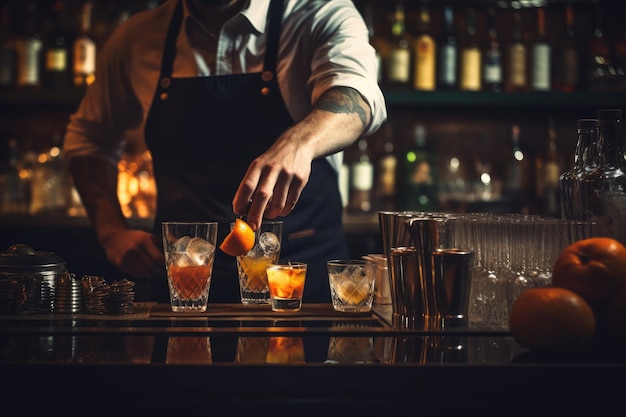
(337, 48)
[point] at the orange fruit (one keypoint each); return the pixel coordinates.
(240, 240)
(551, 319)
(593, 268)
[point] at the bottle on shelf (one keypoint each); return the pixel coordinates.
(56, 70)
(567, 61)
(385, 172)
(419, 174)
(48, 179)
(397, 57)
(619, 53)
(548, 168)
(84, 50)
(516, 59)
(448, 52)
(577, 201)
(600, 72)
(368, 17)
(424, 53)
(541, 56)
(7, 49)
(29, 46)
(12, 184)
(492, 60)
(470, 60)
(516, 182)
(361, 180)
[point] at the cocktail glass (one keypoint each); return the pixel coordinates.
(252, 267)
(286, 284)
(189, 254)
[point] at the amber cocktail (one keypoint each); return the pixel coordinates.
(189, 255)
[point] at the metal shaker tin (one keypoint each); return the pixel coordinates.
(27, 280)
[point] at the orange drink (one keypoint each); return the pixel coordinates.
(286, 284)
(251, 267)
(189, 254)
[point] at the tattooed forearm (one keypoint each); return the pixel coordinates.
(345, 100)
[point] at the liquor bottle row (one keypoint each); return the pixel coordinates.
(53, 45)
(563, 47)
(471, 175)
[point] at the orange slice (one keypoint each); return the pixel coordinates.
(240, 240)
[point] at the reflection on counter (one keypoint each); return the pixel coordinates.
(256, 350)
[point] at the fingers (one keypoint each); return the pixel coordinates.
(273, 189)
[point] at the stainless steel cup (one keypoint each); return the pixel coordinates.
(451, 285)
(393, 229)
(428, 234)
(407, 302)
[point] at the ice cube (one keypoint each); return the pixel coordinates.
(181, 244)
(200, 250)
(180, 259)
(269, 243)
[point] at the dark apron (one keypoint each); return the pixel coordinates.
(204, 132)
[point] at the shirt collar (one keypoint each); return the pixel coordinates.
(255, 13)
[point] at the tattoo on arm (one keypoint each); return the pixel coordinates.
(344, 100)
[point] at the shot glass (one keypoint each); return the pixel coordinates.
(252, 266)
(286, 285)
(352, 284)
(189, 254)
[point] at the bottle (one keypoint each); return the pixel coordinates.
(424, 53)
(567, 63)
(492, 61)
(7, 49)
(420, 187)
(361, 181)
(541, 56)
(600, 72)
(516, 60)
(386, 165)
(84, 50)
(56, 73)
(48, 182)
(12, 186)
(516, 184)
(29, 48)
(368, 17)
(548, 168)
(470, 66)
(611, 164)
(577, 201)
(398, 60)
(448, 48)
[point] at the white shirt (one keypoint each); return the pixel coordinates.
(323, 44)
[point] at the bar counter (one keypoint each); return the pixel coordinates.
(238, 358)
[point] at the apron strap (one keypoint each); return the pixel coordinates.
(169, 51)
(271, 48)
(273, 35)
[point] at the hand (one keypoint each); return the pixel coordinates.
(136, 253)
(274, 181)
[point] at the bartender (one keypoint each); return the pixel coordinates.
(238, 101)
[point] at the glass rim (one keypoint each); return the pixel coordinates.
(281, 263)
(188, 222)
(351, 262)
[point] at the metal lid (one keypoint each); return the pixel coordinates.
(22, 258)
